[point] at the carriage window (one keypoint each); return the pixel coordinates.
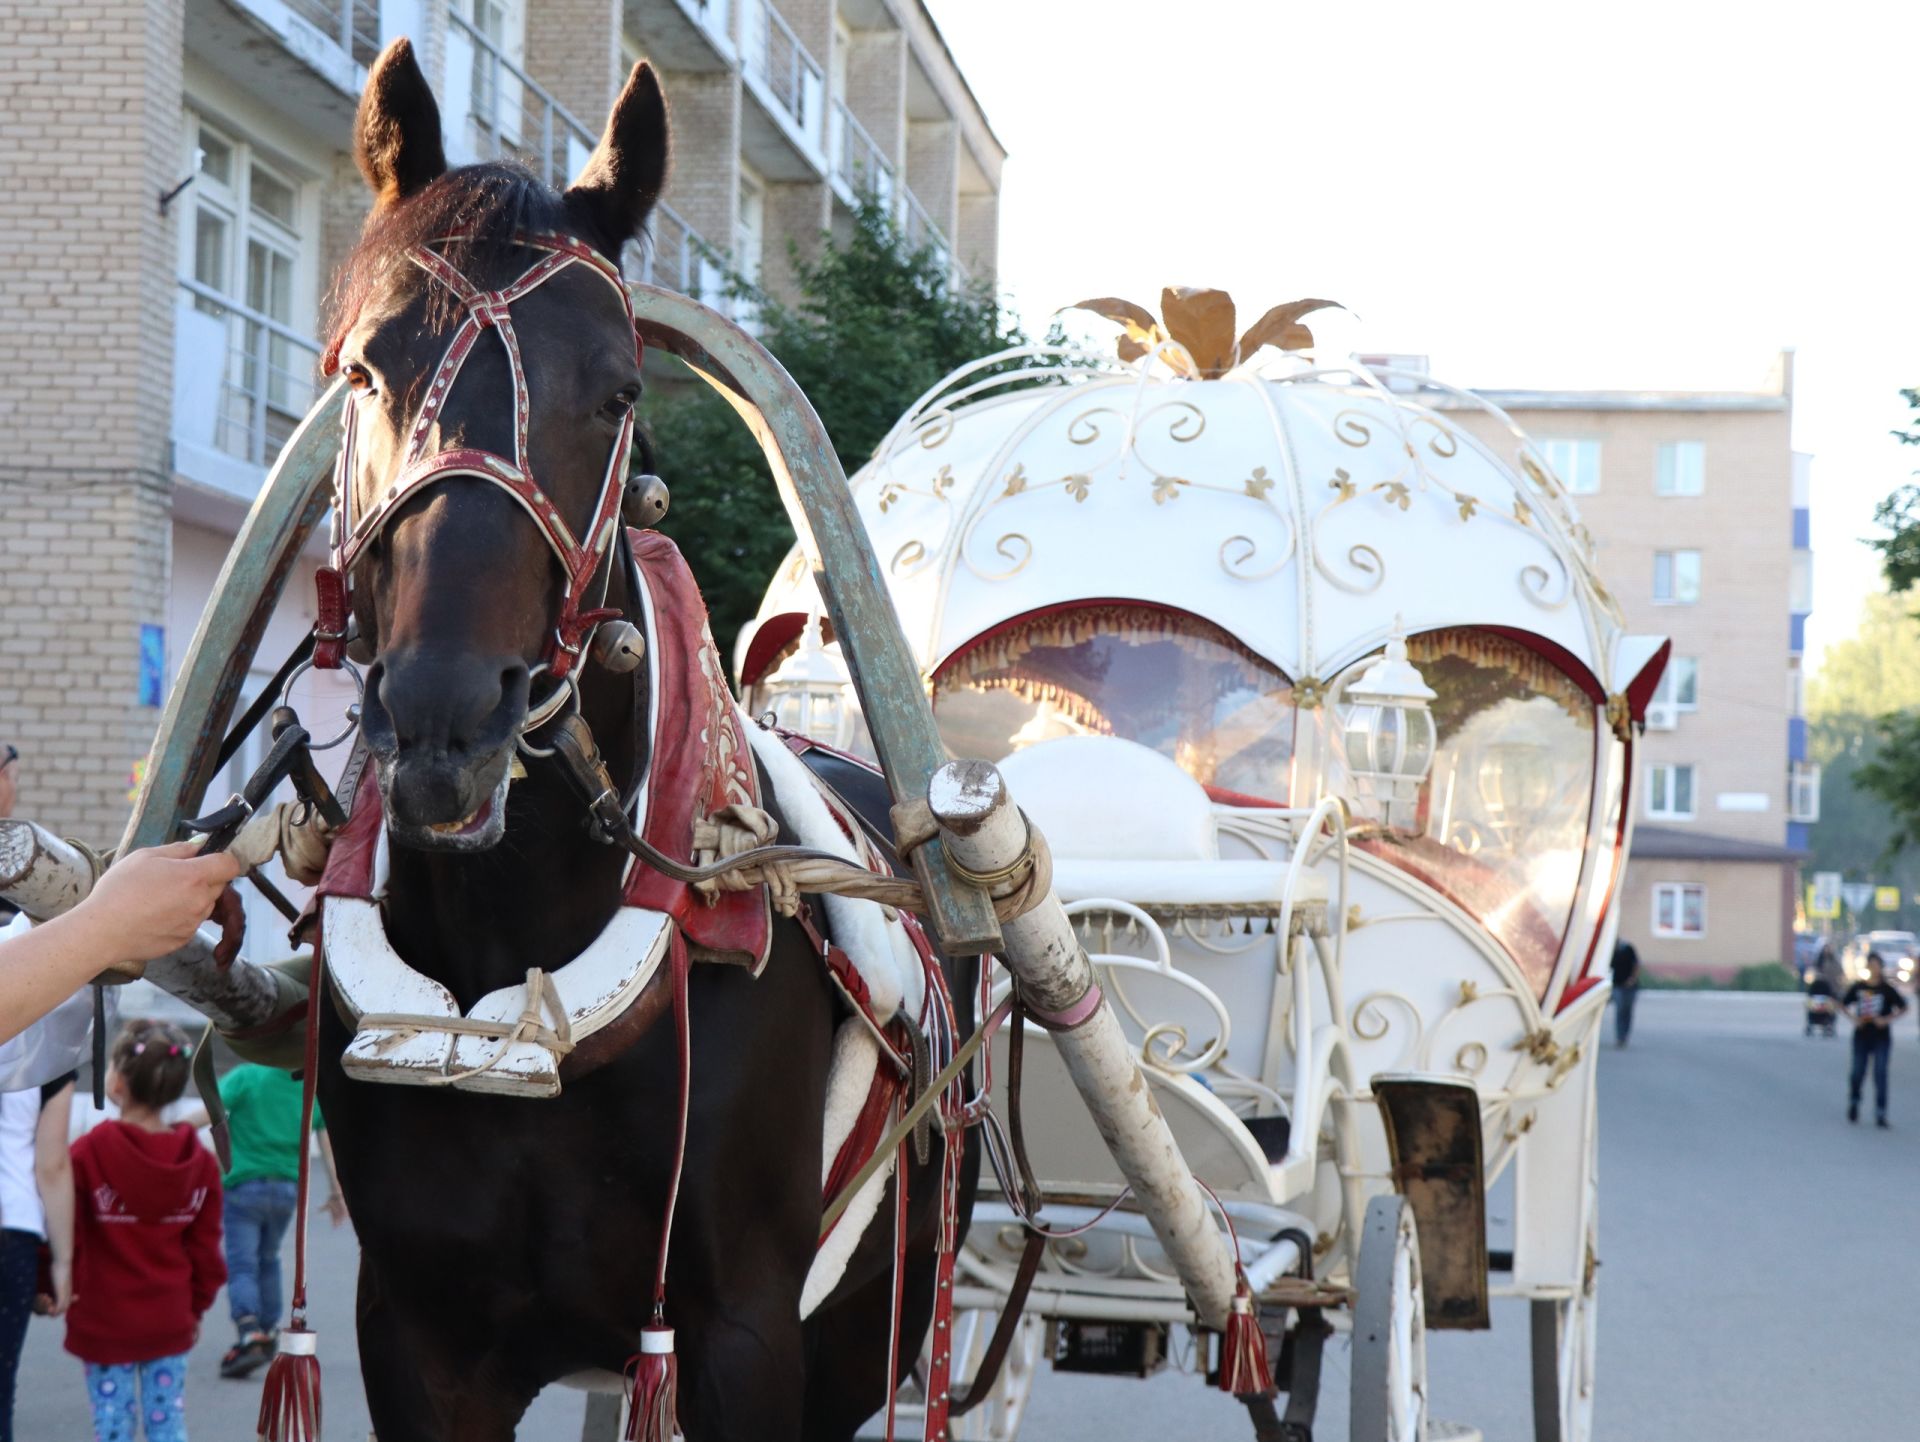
(1501, 825)
(1162, 678)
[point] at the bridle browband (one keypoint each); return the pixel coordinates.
(581, 556)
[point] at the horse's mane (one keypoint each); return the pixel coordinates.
(475, 212)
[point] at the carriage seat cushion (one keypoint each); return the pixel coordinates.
(1098, 797)
(1233, 885)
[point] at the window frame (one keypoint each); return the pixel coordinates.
(1673, 596)
(1573, 478)
(1662, 810)
(1664, 710)
(1678, 890)
(1667, 470)
(1803, 781)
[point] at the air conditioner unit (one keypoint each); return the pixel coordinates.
(1662, 716)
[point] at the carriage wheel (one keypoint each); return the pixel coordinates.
(997, 1418)
(1389, 1329)
(1564, 1330)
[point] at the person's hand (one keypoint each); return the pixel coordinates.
(151, 902)
(9, 780)
(62, 1298)
(336, 1206)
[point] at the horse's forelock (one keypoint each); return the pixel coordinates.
(477, 211)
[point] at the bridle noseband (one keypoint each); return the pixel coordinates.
(581, 556)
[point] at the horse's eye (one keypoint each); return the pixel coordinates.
(359, 379)
(622, 403)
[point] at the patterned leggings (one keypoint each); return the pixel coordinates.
(125, 1395)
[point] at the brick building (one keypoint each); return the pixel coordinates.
(178, 189)
(1699, 508)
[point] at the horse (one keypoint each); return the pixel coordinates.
(508, 1242)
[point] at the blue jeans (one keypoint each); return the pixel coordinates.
(1623, 999)
(1877, 1043)
(256, 1216)
(19, 1271)
(132, 1393)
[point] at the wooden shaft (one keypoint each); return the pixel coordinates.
(984, 832)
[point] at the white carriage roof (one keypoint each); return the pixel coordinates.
(1306, 511)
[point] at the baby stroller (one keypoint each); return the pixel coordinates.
(1821, 1005)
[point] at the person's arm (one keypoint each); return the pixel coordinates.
(141, 908)
(202, 1237)
(53, 1170)
(336, 1203)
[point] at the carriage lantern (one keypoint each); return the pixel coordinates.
(1388, 736)
(808, 692)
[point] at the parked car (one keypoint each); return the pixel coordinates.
(1899, 951)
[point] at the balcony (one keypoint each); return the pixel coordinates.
(502, 114)
(305, 60)
(858, 167)
(694, 36)
(920, 231)
(678, 257)
(781, 133)
(241, 382)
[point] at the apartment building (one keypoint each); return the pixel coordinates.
(1698, 506)
(179, 187)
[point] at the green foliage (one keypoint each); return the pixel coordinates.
(876, 323)
(1899, 516)
(1765, 976)
(1867, 696)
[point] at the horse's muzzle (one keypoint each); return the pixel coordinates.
(442, 737)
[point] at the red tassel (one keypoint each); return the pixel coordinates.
(655, 1371)
(290, 1401)
(1243, 1350)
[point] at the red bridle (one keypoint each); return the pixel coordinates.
(581, 556)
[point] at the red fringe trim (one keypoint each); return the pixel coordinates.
(1243, 1350)
(290, 1400)
(652, 1399)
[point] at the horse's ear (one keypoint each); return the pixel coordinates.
(614, 193)
(396, 133)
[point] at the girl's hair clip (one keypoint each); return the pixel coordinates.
(139, 1047)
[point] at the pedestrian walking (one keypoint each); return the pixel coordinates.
(1873, 1004)
(147, 1256)
(36, 1218)
(1626, 987)
(263, 1107)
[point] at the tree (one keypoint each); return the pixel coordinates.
(876, 323)
(1887, 758)
(1873, 674)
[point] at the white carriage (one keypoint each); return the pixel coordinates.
(1328, 721)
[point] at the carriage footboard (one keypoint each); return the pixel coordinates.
(1434, 1140)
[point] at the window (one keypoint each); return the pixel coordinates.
(1679, 691)
(1803, 791)
(1676, 577)
(1576, 463)
(245, 265)
(1680, 469)
(1670, 792)
(1679, 909)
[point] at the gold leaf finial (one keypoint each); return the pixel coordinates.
(1200, 321)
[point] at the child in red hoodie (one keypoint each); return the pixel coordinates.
(147, 1260)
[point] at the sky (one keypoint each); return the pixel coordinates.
(1614, 195)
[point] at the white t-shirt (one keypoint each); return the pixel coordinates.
(61, 1041)
(20, 1209)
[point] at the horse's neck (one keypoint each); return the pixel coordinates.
(475, 922)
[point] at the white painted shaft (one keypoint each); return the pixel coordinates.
(39, 873)
(983, 831)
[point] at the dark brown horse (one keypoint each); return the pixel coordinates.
(509, 1242)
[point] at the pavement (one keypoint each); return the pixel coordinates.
(1757, 1277)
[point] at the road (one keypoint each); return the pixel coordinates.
(1757, 1276)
